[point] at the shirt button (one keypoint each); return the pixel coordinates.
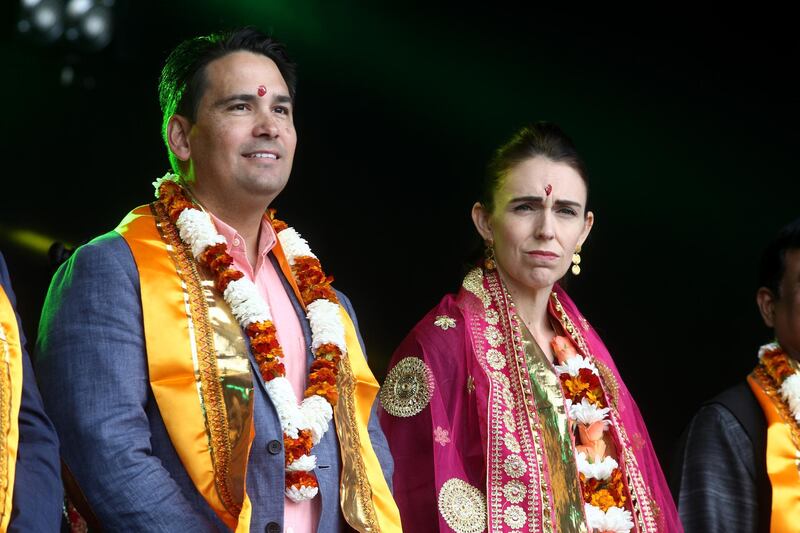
(274, 447)
(236, 241)
(273, 527)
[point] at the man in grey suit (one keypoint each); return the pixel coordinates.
(163, 395)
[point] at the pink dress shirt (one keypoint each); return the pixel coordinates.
(300, 517)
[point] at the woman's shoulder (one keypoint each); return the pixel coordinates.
(438, 335)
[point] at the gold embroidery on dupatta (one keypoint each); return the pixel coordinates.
(516, 393)
(445, 322)
(221, 366)
(462, 506)
(610, 381)
(408, 388)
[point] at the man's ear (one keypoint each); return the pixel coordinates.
(178, 129)
(766, 305)
(480, 217)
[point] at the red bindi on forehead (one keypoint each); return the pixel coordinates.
(261, 90)
(548, 189)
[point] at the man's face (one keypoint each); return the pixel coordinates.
(243, 140)
(787, 307)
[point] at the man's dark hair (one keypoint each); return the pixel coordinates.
(183, 78)
(541, 139)
(773, 260)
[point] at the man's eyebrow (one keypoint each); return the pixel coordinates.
(234, 98)
(282, 99)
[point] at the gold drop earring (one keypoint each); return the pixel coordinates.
(576, 261)
(488, 253)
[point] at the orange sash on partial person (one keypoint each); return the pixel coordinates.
(172, 361)
(782, 455)
(10, 398)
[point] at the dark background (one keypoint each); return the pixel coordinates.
(687, 119)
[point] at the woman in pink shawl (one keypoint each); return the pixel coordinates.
(503, 409)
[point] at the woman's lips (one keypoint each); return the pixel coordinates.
(543, 254)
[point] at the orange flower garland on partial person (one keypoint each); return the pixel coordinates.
(311, 419)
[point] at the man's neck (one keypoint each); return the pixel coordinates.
(245, 220)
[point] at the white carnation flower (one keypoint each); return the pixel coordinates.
(317, 414)
(169, 176)
(302, 494)
(790, 392)
(280, 392)
(769, 347)
(197, 230)
(587, 413)
(614, 520)
(573, 365)
(294, 245)
(246, 304)
(304, 463)
(601, 470)
(326, 324)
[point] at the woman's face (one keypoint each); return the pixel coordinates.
(539, 219)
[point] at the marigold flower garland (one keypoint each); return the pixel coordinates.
(303, 424)
(778, 366)
(602, 481)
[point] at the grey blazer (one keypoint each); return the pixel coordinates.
(92, 368)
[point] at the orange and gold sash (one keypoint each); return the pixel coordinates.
(10, 397)
(783, 457)
(184, 368)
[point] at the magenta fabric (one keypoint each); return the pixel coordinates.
(450, 438)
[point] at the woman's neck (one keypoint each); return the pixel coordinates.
(532, 307)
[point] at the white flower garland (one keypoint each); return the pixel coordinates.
(314, 413)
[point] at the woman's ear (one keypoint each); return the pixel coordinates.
(588, 222)
(480, 217)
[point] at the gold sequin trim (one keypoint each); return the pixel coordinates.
(462, 506)
(473, 282)
(495, 359)
(211, 395)
(408, 388)
(514, 517)
(514, 466)
(508, 419)
(354, 479)
(609, 380)
(445, 322)
(493, 336)
(5, 416)
(514, 491)
(511, 442)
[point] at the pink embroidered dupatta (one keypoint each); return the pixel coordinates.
(458, 413)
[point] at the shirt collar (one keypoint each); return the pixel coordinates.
(236, 244)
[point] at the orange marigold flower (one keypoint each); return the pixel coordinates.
(296, 448)
(326, 390)
(277, 225)
(603, 499)
(312, 294)
(225, 277)
(271, 370)
(329, 352)
(319, 364)
(325, 375)
(300, 479)
(259, 327)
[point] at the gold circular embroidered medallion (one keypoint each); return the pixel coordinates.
(408, 387)
(462, 506)
(495, 359)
